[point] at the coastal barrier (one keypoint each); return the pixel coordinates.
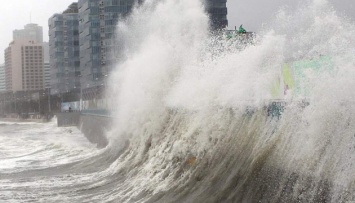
(67, 119)
(95, 123)
(93, 126)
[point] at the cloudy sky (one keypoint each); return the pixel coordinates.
(251, 13)
(17, 13)
(254, 13)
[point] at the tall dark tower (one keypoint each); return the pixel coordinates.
(217, 10)
(64, 50)
(97, 25)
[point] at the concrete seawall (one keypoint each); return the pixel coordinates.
(95, 123)
(68, 119)
(94, 127)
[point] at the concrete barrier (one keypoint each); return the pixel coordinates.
(68, 119)
(94, 127)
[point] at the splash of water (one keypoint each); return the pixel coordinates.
(182, 92)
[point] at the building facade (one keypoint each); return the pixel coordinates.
(83, 47)
(47, 75)
(98, 19)
(64, 50)
(31, 32)
(217, 10)
(24, 68)
(46, 51)
(2, 78)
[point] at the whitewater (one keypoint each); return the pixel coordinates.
(191, 121)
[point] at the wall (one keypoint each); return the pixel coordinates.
(68, 119)
(94, 128)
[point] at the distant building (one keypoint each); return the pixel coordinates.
(217, 10)
(47, 75)
(24, 69)
(64, 50)
(98, 19)
(2, 78)
(46, 51)
(31, 32)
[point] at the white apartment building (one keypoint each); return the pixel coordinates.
(2, 78)
(24, 66)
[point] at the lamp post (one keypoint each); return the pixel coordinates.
(2, 107)
(81, 98)
(15, 104)
(105, 81)
(44, 96)
(49, 100)
(39, 103)
(81, 94)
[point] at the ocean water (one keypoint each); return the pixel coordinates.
(39, 161)
(192, 124)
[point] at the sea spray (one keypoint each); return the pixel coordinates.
(182, 96)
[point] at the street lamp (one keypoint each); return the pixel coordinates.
(81, 98)
(49, 100)
(81, 93)
(39, 102)
(15, 104)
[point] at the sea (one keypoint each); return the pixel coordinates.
(191, 116)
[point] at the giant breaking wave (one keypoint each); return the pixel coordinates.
(184, 97)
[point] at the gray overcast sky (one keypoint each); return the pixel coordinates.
(14, 14)
(251, 13)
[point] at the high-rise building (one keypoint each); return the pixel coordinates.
(2, 78)
(82, 43)
(98, 19)
(217, 10)
(24, 66)
(97, 24)
(46, 51)
(31, 32)
(47, 75)
(64, 50)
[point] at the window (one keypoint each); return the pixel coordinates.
(58, 33)
(115, 2)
